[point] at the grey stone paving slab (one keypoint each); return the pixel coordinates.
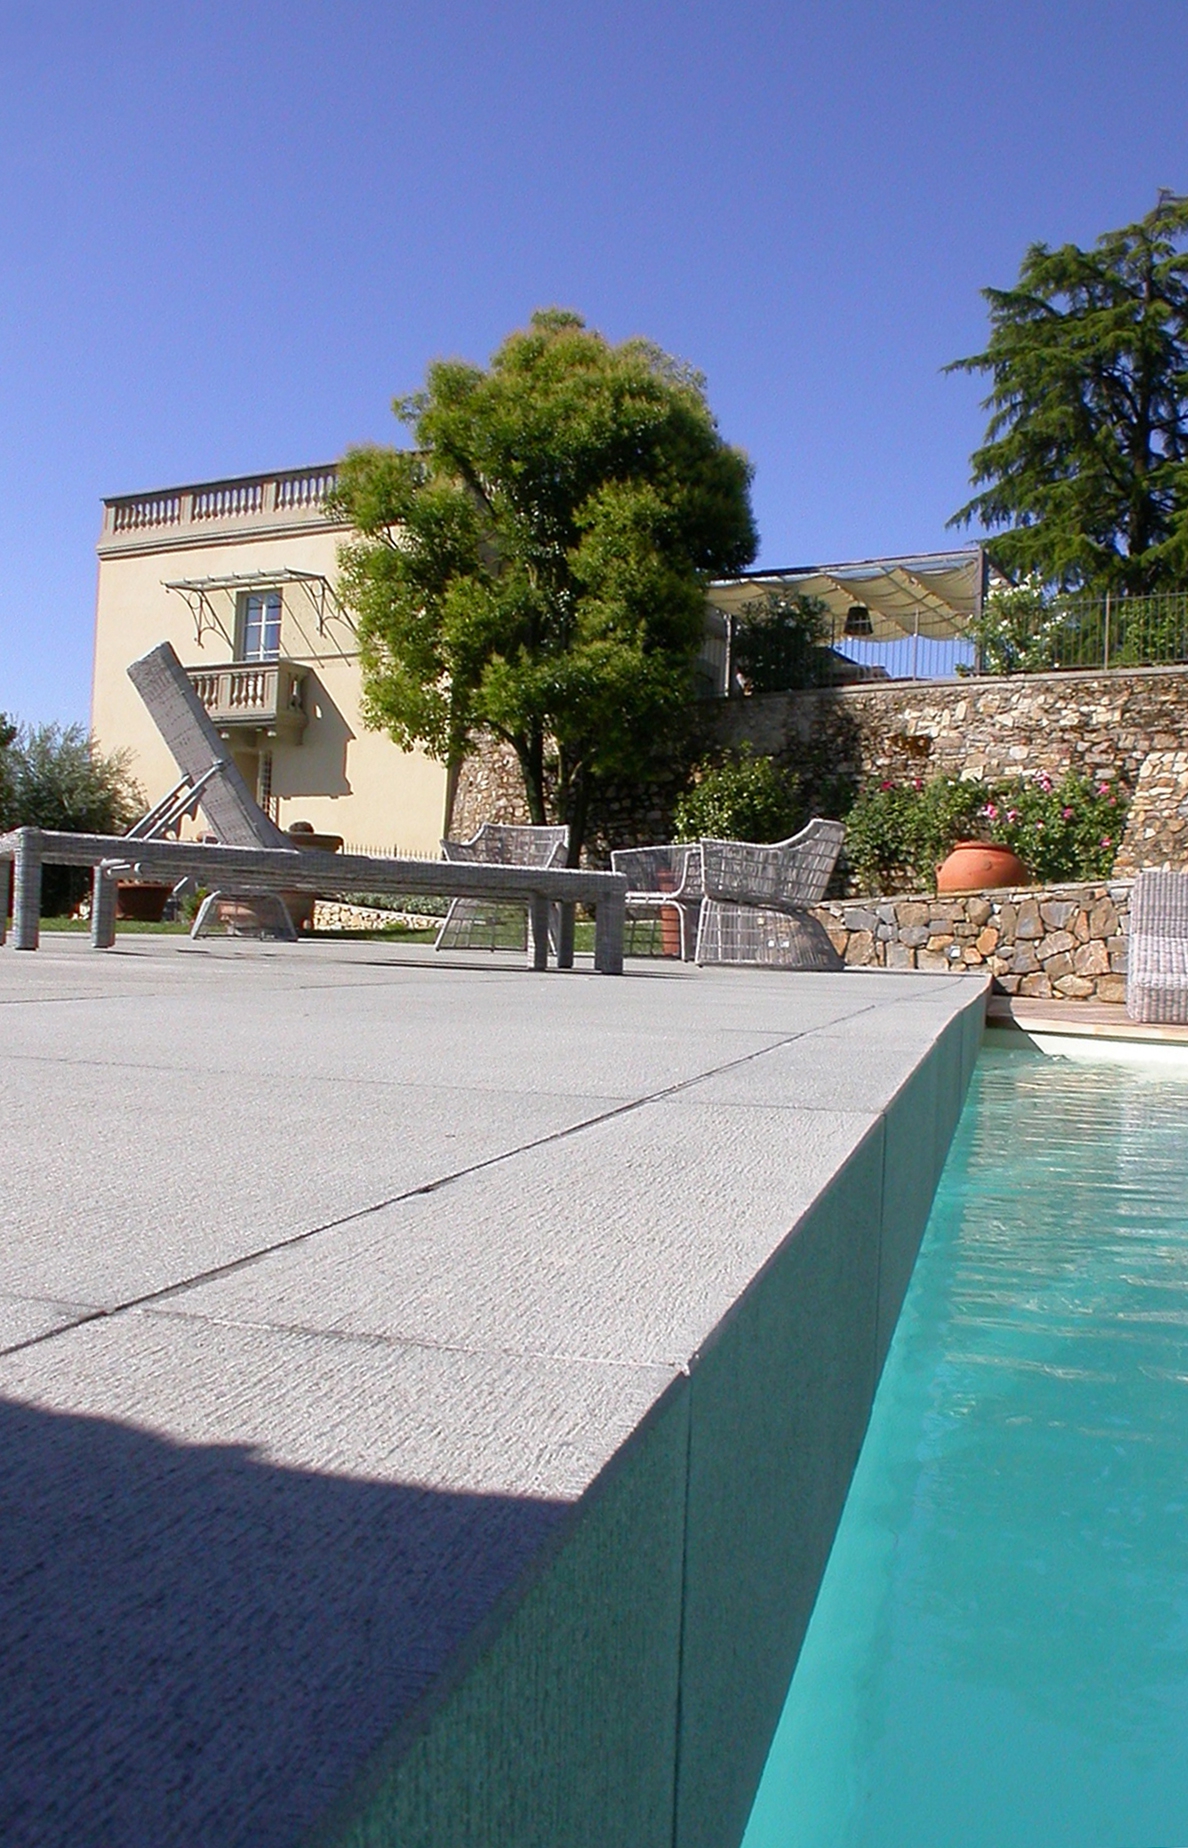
(426, 1026)
(274, 1544)
(25, 1318)
(626, 1242)
(197, 1171)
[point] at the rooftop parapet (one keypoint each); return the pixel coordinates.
(283, 501)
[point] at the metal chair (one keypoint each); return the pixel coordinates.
(665, 887)
(475, 924)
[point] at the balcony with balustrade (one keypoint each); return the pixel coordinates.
(250, 702)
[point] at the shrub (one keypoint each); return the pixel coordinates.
(1065, 830)
(740, 798)
(898, 833)
(55, 777)
(1020, 630)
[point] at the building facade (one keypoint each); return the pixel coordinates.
(241, 576)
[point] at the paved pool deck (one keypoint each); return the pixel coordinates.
(421, 1379)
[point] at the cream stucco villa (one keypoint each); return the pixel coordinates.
(240, 576)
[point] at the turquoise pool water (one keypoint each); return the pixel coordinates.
(998, 1657)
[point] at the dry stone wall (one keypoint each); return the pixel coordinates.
(490, 788)
(1127, 727)
(1060, 942)
(1103, 724)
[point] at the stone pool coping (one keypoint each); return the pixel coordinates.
(431, 1387)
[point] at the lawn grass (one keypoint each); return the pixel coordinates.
(390, 933)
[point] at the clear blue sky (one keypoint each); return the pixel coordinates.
(231, 233)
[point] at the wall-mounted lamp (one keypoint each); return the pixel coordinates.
(858, 620)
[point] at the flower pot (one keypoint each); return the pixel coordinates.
(670, 923)
(141, 904)
(975, 866)
(300, 905)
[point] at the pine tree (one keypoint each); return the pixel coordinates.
(1083, 474)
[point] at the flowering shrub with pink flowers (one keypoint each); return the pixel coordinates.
(1060, 830)
(898, 832)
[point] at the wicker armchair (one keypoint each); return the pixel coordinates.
(1157, 953)
(666, 885)
(756, 901)
(737, 901)
(473, 924)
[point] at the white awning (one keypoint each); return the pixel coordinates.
(935, 594)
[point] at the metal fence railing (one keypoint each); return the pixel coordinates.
(1068, 632)
(1089, 632)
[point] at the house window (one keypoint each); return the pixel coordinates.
(259, 625)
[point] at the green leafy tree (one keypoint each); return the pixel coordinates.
(54, 776)
(536, 567)
(8, 732)
(781, 643)
(1083, 473)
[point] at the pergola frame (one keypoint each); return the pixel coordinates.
(200, 595)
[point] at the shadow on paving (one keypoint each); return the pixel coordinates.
(200, 1648)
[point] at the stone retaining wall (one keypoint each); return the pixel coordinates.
(329, 914)
(1127, 726)
(1061, 942)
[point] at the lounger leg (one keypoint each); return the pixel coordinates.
(204, 910)
(103, 909)
(538, 913)
(5, 896)
(610, 921)
(26, 909)
(565, 937)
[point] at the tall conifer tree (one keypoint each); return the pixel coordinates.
(1083, 474)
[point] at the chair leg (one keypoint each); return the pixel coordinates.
(702, 932)
(538, 912)
(104, 891)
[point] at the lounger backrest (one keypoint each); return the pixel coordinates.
(182, 721)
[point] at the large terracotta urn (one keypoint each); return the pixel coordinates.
(300, 905)
(975, 866)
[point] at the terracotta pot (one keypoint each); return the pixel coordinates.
(670, 923)
(300, 905)
(975, 866)
(141, 904)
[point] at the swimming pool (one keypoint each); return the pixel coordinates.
(998, 1657)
